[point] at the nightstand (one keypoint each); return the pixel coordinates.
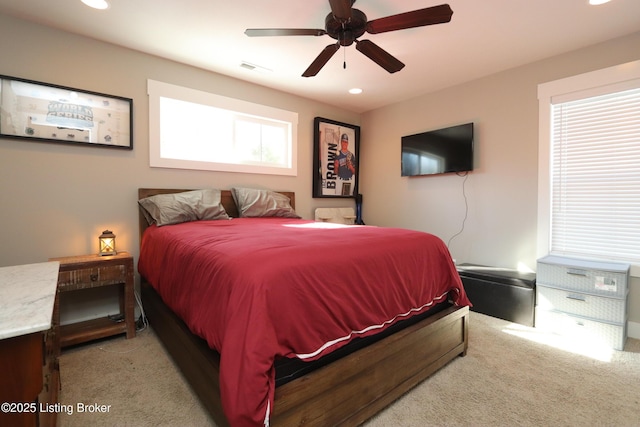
(92, 271)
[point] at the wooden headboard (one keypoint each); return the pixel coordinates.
(226, 199)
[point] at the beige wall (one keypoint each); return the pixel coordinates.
(502, 191)
(55, 200)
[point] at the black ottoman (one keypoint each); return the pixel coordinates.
(500, 292)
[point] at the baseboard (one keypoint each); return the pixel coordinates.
(633, 330)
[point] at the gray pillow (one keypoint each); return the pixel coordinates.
(262, 203)
(165, 209)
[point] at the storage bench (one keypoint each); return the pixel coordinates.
(500, 292)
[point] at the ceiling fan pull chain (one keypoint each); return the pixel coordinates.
(344, 50)
(344, 63)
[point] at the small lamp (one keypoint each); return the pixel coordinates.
(107, 243)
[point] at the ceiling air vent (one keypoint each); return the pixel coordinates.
(253, 67)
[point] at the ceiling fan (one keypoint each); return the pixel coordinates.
(345, 24)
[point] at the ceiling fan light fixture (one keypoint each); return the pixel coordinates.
(97, 4)
(355, 91)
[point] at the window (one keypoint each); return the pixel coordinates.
(589, 202)
(191, 129)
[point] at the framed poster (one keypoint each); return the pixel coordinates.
(336, 148)
(44, 112)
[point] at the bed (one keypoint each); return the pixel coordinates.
(346, 380)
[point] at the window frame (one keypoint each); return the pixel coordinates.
(157, 90)
(611, 79)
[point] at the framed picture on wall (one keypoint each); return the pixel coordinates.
(37, 111)
(336, 147)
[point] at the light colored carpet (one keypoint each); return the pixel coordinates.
(508, 378)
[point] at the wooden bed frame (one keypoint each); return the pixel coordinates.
(345, 392)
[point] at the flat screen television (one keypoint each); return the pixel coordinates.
(438, 151)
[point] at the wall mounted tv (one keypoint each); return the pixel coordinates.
(438, 151)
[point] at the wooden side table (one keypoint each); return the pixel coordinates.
(93, 271)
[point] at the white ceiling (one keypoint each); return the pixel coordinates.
(483, 37)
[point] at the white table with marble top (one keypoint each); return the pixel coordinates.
(27, 295)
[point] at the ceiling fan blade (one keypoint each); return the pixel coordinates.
(341, 9)
(417, 18)
(321, 60)
(268, 32)
(379, 56)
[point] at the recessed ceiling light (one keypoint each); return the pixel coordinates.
(97, 4)
(597, 2)
(355, 91)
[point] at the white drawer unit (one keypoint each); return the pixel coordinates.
(612, 310)
(336, 215)
(594, 277)
(581, 329)
(583, 299)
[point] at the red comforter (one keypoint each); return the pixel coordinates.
(261, 288)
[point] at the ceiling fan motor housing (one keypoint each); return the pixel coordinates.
(346, 32)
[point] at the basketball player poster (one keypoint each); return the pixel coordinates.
(336, 162)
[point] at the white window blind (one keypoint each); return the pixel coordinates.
(595, 176)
